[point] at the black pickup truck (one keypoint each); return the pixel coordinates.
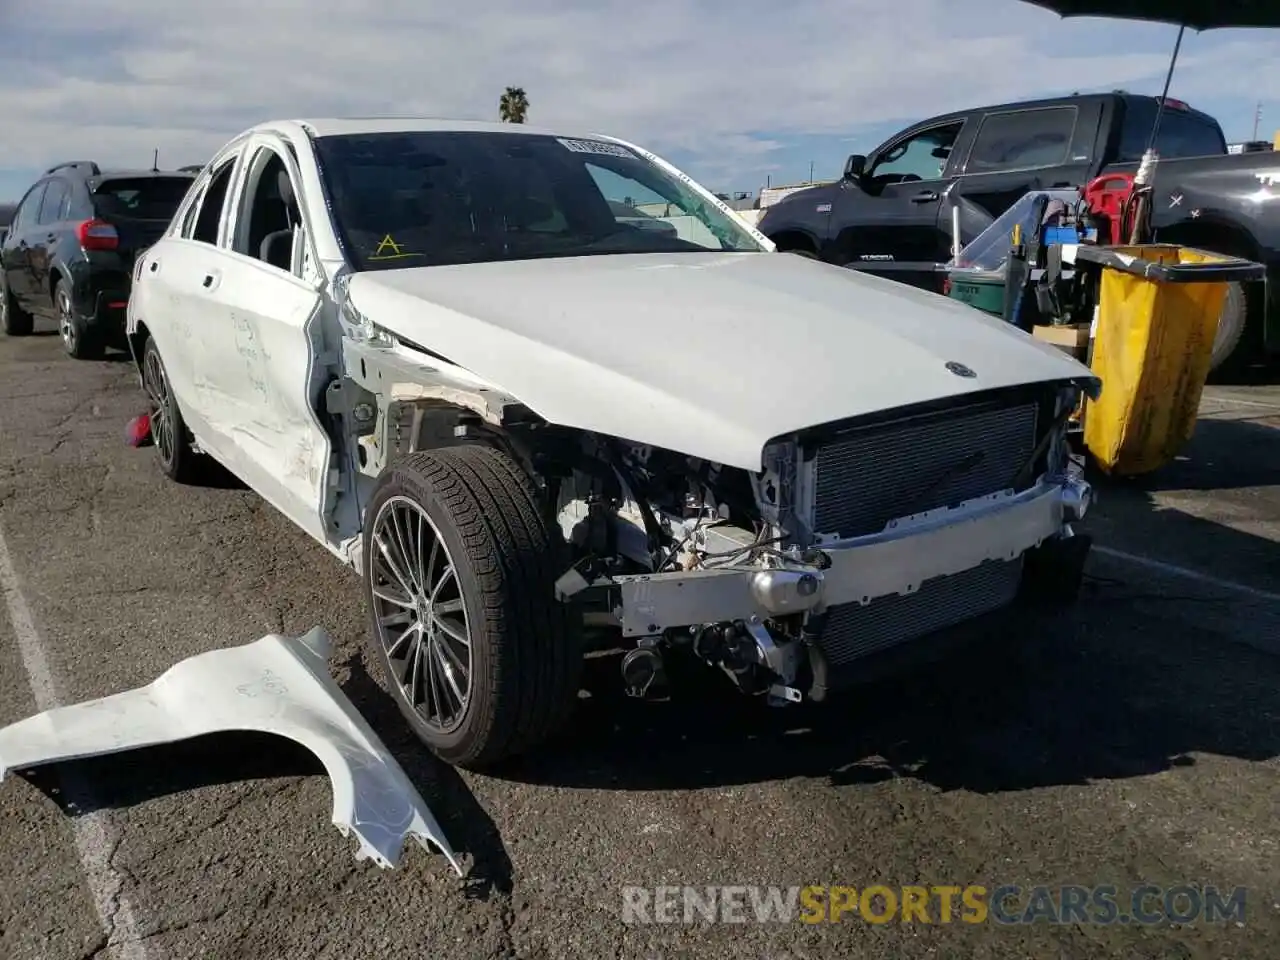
(891, 211)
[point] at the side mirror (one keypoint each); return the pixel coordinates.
(855, 167)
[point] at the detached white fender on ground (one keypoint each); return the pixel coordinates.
(274, 685)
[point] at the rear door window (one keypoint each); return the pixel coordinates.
(1023, 140)
(1182, 134)
(140, 198)
(56, 200)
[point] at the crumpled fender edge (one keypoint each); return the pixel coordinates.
(276, 685)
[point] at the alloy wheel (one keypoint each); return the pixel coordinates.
(420, 616)
(66, 324)
(156, 385)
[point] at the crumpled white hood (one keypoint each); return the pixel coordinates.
(713, 354)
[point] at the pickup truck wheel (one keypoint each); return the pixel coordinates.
(1231, 347)
(459, 569)
(15, 321)
(178, 459)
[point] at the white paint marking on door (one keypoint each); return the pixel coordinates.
(1207, 579)
(90, 832)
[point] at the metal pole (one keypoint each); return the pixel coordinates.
(1257, 118)
(1168, 79)
(1142, 204)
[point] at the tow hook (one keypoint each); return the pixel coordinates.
(643, 668)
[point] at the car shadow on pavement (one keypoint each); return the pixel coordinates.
(1222, 455)
(1073, 708)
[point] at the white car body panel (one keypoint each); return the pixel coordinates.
(711, 355)
(274, 685)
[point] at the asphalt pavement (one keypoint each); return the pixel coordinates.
(1136, 743)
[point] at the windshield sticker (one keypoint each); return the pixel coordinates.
(597, 147)
(388, 249)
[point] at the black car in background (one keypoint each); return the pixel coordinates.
(891, 211)
(69, 253)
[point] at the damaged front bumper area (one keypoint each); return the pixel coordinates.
(776, 600)
(274, 685)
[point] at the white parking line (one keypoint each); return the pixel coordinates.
(90, 832)
(1207, 579)
(1243, 403)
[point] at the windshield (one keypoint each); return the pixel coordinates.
(436, 198)
(140, 198)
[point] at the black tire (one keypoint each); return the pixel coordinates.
(15, 321)
(1233, 348)
(79, 340)
(178, 460)
(525, 649)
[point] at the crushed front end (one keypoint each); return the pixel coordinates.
(873, 535)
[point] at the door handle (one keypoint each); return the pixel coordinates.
(211, 279)
(52, 237)
(928, 196)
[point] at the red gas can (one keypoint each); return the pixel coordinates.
(1106, 197)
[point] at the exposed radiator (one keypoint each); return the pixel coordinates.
(853, 631)
(867, 477)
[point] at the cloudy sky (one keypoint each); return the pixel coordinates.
(733, 92)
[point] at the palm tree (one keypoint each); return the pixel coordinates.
(513, 105)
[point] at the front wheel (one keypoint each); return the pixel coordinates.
(15, 321)
(459, 568)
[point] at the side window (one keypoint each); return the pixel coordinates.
(79, 206)
(188, 225)
(1023, 140)
(922, 156)
(1181, 134)
(269, 218)
(54, 207)
(30, 206)
(205, 229)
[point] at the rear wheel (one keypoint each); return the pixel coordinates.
(15, 321)
(178, 459)
(1233, 348)
(459, 567)
(78, 338)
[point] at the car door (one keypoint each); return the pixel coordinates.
(42, 240)
(16, 249)
(892, 210)
(1016, 152)
(170, 297)
(258, 345)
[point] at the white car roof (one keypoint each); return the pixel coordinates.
(336, 126)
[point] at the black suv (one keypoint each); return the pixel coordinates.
(70, 250)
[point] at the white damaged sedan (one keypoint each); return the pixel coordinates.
(462, 358)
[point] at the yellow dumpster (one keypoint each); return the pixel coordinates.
(1158, 307)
